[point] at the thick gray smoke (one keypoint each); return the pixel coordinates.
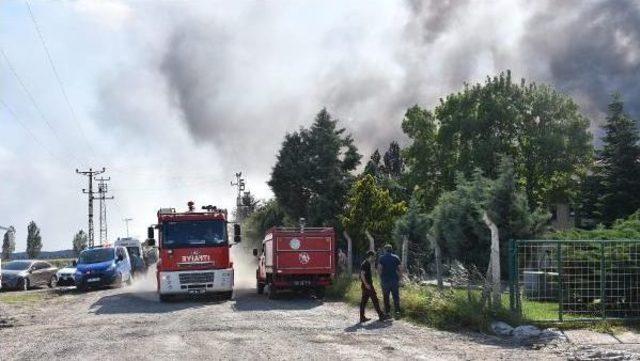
(238, 80)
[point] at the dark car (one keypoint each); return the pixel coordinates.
(25, 274)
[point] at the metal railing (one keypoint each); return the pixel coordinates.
(577, 280)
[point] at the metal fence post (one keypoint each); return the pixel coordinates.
(512, 296)
(602, 281)
(516, 279)
(560, 285)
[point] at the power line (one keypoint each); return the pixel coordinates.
(57, 76)
(31, 134)
(33, 101)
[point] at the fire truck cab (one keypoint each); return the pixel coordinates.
(194, 252)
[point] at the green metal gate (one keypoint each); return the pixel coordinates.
(577, 280)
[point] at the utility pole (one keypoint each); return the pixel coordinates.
(240, 213)
(240, 184)
(126, 223)
(90, 174)
(102, 197)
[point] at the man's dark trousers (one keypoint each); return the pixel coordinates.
(366, 294)
(392, 288)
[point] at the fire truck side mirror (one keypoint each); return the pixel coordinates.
(237, 238)
(255, 252)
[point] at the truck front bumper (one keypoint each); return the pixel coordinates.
(195, 282)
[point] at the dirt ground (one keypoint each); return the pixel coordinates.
(131, 324)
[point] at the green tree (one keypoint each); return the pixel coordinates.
(457, 218)
(268, 214)
(393, 161)
(421, 156)
(249, 204)
(80, 242)
(312, 174)
(8, 243)
(540, 129)
(370, 208)
(374, 166)
(414, 225)
(619, 166)
(34, 240)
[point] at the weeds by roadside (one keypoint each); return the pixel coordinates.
(453, 309)
(22, 297)
(448, 309)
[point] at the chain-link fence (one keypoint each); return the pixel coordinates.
(556, 280)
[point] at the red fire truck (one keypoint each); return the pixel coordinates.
(296, 258)
(193, 252)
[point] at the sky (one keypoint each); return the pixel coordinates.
(174, 97)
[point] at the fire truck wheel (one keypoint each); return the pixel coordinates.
(228, 295)
(164, 298)
(260, 287)
(319, 291)
(273, 291)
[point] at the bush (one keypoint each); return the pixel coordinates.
(340, 287)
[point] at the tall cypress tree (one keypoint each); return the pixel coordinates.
(34, 240)
(619, 165)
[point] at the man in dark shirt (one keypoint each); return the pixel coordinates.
(367, 288)
(389, 269)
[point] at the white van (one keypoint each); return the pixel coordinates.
(136, 254)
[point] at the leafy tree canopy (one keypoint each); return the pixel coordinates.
(80, 242)
(268, 214)
(457, 218)
(312, 174)
(370, 208)
(540, 129)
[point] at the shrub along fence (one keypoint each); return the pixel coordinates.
(575, 280)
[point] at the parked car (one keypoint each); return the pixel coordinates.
(103, 266)
(24, 274)
(66, 275)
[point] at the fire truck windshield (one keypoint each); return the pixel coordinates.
(194, 234)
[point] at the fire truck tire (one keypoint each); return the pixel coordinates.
(164, 298)
(227, 295)
(260, 287)
(319, 291)
(273, 291)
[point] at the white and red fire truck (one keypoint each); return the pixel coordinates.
(194, 252)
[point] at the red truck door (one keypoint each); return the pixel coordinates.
(302, 254)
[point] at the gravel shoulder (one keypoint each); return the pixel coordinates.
(131, 324)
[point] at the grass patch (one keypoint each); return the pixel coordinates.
(22, 297)
(449, 309)
(452, 309)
